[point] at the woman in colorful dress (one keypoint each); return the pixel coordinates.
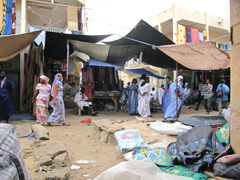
(42, 92)
(58, 114)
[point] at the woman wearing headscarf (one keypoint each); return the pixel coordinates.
(58, 114)
(42, 95)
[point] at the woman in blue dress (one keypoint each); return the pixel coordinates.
(6, 106)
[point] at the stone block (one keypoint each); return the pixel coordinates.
(61, 159)
(23, 130)
(57, 175)
(40, 132)
(45, 161)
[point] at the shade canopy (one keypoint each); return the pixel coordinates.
(94, 62)
(146, 72)
(198, 56)
(12, 45)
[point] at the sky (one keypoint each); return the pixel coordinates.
(120, 16)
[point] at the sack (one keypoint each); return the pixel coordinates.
(229, 159)
(220, 94)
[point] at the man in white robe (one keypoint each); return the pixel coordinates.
(144, 99)
(160, 94)
(153, 94)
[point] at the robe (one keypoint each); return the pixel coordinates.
(160, 95)
(133, 99)
(6, 106)
(171, 108)
(153, 95)
(82, 100)
(144, 101)
(165, 99)
(225, 90)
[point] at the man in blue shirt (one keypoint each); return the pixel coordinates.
(222, 95)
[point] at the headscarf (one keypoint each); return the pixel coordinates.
(44, 78)
(180, 77)
(56, 81)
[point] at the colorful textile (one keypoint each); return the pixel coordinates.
(204, 35)
(129, 139)
(58, 114)
(164, 160)
(188, 35)
(12, 164)
(41, 113)
(201, 37)
(183, 171)
(133, 99)
(171, 108)
(87, 75)
(4, 17)
(181, 34)
(1, 14)
(6, 106)
(223, 134)
(88, 91)
(148, 153)
(43, 94)
(197, 147)
(8, 27)
(13, 26)
(195, 35)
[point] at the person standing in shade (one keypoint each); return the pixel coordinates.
(58, 114)
(42, 92)
(222, 95)
(153, 94)
(133, 98)
(208, 96)
(6, 106)
(144, 98)
(166, 95)
(175, 91)
(160, 94)
(201, 94)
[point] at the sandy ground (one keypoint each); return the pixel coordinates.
(82, 146)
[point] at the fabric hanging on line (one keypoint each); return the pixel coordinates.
(78, 68)
(201, 37)
(181, 34)
(193, 75)
(13, 26)
(1, 13)
(195, 35)
(188, 34)
(71, 66)
(205, 35)
(8, 28)
(4, 16)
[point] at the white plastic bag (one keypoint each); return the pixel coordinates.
(169, 129)
(137, 170)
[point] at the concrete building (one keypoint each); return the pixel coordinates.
(218, 30)
(235, 74)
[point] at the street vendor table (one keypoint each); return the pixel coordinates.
(113, 95)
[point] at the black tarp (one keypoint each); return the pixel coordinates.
(146, 33)
(56, 43)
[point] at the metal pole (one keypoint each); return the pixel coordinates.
(176, 91)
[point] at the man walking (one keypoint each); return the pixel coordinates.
(208, 94)
(201, 94)
(6, 106)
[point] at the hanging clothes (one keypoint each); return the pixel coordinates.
(13, 22)
(195, 35)
(1, 14)
(8, 27)
(133, 99)
(4, 17)
(201, 37)
(171, 109)
(181, 34)
(205, 35)
(188, 35)
(87, 75)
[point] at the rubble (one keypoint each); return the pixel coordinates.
(61, 159)
(40, 132)
(57, 175)
(45, 161)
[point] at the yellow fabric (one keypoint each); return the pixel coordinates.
(205, 35)
(78, 68)
(181, 34)
(1, 13)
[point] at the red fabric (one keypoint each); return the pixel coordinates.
(13, 28)
(177, 92)
(188, 34)
(86, 121)
(195, 35)
(88, 91)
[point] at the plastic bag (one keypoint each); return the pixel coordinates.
(137, 170)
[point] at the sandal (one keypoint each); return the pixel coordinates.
(66, 124)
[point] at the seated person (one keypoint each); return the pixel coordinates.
(82, 101)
